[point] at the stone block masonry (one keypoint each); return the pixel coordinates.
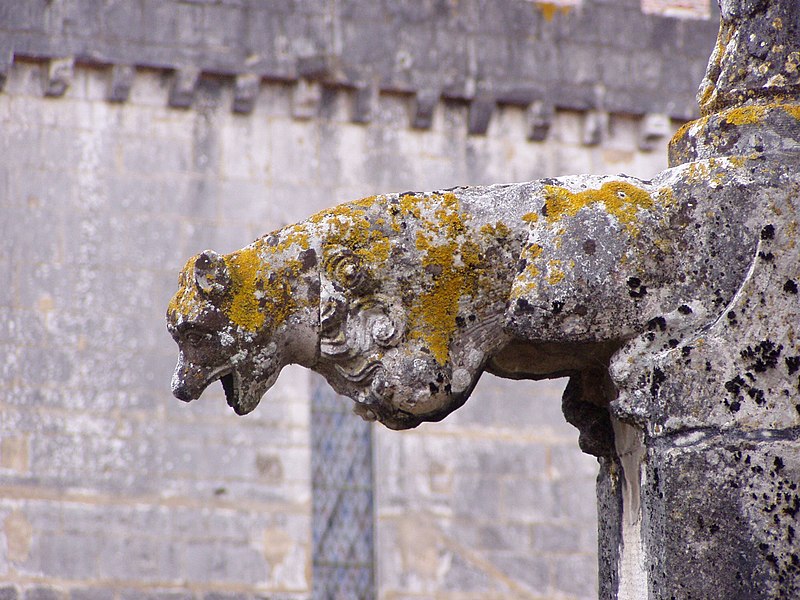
(109, 488)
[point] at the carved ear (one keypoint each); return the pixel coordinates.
(211, 274)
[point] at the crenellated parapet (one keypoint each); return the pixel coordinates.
(588, 56)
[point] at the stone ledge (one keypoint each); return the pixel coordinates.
(309, 100)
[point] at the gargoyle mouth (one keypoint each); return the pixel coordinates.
(232, 393)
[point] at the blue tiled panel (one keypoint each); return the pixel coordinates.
(342, 529)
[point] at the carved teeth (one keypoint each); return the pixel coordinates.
(358, 373)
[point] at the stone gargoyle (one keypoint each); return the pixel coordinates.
(402, 301)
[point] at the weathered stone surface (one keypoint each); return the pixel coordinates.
(399, 300)
(743, 514)
(708, 483)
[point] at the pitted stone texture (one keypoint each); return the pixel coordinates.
(756, 58)
(748, 349)
(743, 513)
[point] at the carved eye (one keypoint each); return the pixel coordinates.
(194, 337)
(622, 194)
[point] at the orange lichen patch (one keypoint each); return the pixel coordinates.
(409, 205)
(530, 217)
(187, 301)
(367, 202)
(259, 290)
(497, 231)
(708, 87)
(529, 254)
(619, 198)
(665, 197)
(792, 62)
(550, 9)
(242, 306)
(698, 171)
(686, 127)
(793, 110)
(293, 235)
(349, 226)
(745, 115)
(554, 272)
(453, 262)
(437, 310)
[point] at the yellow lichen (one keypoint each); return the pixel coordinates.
(549, 9)
(187, 300)
(793, 110)
(665, 197)
(554, 272)
(745, 115)
(792, 62)
(365, 202)
(619, 198)
(530, 217)
(497, 231)
(348, 226)
(529, 254)
(243, 308)
(293, 235)
(454, 262)
(259, 290)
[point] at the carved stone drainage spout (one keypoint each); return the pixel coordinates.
(672, 304)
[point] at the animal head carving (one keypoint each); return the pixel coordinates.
(240, 318)
(393, 299)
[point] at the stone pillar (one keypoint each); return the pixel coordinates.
(702, 499)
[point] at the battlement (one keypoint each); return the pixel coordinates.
(544, 56)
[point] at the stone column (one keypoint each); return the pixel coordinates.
(702, 499)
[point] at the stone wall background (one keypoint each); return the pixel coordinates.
(111, 488)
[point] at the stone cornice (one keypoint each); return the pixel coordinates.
(605, 56)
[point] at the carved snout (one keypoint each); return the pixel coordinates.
(180, 389)
(188, 380)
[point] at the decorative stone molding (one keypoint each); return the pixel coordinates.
(425, 103)
(653, 129)
(58, 76)
(184, 82)
(245, 93)
(121, 81)
(528, 51)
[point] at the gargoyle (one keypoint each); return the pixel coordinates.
(402, 301)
